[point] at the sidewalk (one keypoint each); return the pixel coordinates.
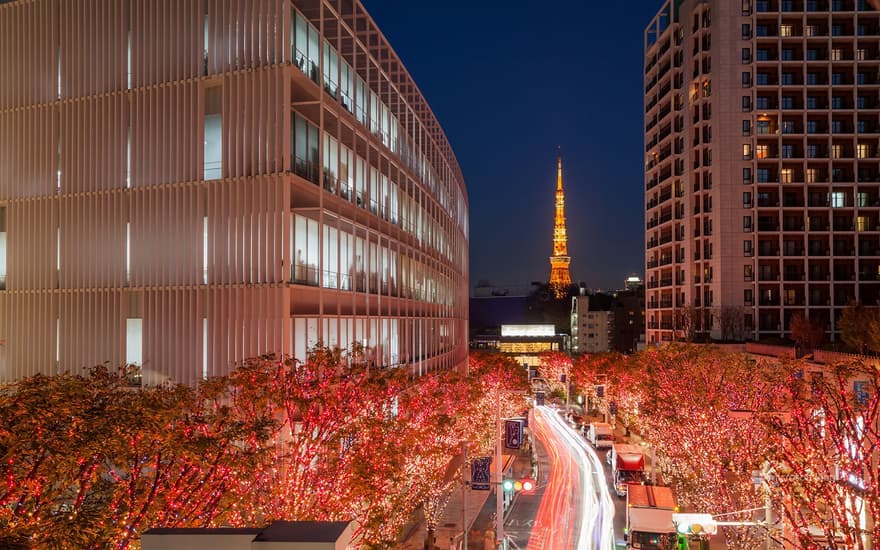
(479, 508)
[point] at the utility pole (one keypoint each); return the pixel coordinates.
(499, 490)
(464, 525)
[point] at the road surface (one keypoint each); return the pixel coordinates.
(576, 511)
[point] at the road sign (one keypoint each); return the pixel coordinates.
(513, 433)
(480, 479)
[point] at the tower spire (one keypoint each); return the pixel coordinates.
(560, 277)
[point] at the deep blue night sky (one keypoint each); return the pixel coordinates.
(511, 80)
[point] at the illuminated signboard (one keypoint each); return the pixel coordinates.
(528, 330)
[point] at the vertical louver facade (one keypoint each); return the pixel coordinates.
(184, 185)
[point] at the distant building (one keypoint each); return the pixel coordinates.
(524, 342)
(632, 282)
(618, 316)
(628, 309)
(591, 330)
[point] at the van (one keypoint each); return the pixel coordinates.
(600, 435)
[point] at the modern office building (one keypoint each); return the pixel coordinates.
(187, 184)
(762, 176)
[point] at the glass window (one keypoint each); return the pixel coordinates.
(305, 148)
(747, 175)
(2, 247)
(747, 151)
(306, 244)
(786, 175)
(761, 151)
(134, 341)
(785, 30)
(837, 199)
(862, 151)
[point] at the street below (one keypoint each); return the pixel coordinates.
(576, 510)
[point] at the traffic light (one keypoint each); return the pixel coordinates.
(516, 485)
(695, 524)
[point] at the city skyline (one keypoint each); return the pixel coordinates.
(587, 103)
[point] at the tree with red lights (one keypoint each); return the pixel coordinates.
(554, 365)
(88, 462)
(826, 465)
(698, 411)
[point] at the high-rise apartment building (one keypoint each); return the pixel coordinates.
(187, 184)
(762, 182)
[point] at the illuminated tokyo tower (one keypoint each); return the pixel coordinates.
(560, 278)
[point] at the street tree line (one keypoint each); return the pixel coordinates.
(87, 461)
(720, 420)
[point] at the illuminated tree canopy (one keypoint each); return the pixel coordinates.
(88, 461)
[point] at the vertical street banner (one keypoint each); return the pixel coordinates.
(861, 391)
(480, 473)
(513, 434)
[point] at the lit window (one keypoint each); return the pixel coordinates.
(747, 151)
(134, 341)
(835, 151)
(838, 199)
(836, 54)
(761, 151)
(810, 30)
(862, 150)
(785, 175)
(860, 54)
(862, 223)
(811, 175)
(785, 30)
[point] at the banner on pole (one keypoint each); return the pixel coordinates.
(480, 474)
(513, 434)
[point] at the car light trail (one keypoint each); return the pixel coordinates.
(577, 511)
